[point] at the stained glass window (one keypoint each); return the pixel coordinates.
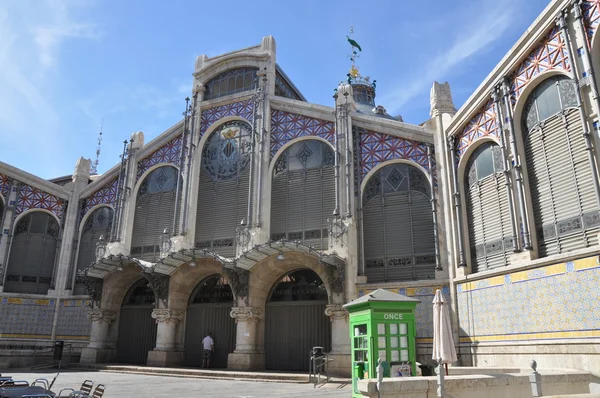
(231, 82)
(485, 161)
(548, 99)
(227, 152)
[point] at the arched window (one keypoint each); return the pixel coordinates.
(32, 254)
(155, 206)
(98, 224)
(303, 194)
(223, 188)
(562, 193)
(1, 210)
(398, 225)
(231, 82)
(488, 214)
(213, 290)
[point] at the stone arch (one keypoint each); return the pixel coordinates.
(292, 142)
(117, 284)
(185, 279)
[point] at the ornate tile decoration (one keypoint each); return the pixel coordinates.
(73, 321)
(4, 186)
(26, 318)
(376, 148)
(484, 123)
(33, 198)
(168, 153)
(209, 116)
(424, 310)
(550, 54)
(591, 16)
(105, 195)
(287, 126)
(556, 301)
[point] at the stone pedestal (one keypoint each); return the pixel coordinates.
(165, 354)
(97, 351)
(340, 341)
(246, 356)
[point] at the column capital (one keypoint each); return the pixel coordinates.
(335, 311)
(167, 315)
(246, 314)
(102, 316)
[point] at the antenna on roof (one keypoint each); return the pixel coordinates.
(94, 166)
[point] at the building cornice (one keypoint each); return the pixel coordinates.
(34, 181)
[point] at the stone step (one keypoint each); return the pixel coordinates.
(198, 373)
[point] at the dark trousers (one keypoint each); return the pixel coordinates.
(206, 354)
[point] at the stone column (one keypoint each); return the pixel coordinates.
(246, 355)
(340, 341)
(164, 354)
(7, 226)
(97, 351)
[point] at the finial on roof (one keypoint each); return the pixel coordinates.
(94, 165)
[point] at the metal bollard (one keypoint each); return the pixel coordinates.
(535, 379)
(379, 377)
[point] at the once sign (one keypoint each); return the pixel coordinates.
(392, 316)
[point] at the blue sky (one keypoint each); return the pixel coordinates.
(67, 64)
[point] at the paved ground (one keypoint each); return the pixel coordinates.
(130, 385)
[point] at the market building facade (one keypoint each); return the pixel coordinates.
(259, 215)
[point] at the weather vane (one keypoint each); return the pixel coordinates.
(353, 74)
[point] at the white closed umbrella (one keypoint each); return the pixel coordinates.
(443, 344)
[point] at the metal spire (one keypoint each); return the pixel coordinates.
(94, 165)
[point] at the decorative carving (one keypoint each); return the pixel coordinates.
(167, 315)
(82, 169)
(238, 280)
(159, 284)
(100, 316)
(335, 311)
(335, 277)
(93, 287)
(440, 99)
(246, 314)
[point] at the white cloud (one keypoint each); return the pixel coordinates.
(477, 28)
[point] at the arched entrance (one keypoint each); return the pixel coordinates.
(296, 321)
(137, 329)
(208, 311)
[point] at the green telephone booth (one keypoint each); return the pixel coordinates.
(382, 325)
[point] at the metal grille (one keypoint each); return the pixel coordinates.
(562, 194)
(223, 188)
(32, 254)
(398, 225)
(303, 194)
(154, 212)
(488, 214)
(98, 224)
(231, 82)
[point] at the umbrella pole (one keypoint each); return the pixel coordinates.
(440, 379)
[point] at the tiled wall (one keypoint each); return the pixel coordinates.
(423, 311)
(33, 319)
(551, 302)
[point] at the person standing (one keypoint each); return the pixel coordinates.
(208, 346)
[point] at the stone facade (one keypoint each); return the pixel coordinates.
(542, 305)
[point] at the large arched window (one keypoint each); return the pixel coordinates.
(303, 194)
(98, 224)
(562, 192)
(231, 82)
(223, 188)
(155, 206)
(1, 209)
(398, 225)
(488, 214)
(32, 254)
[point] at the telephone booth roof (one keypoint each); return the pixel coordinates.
(379, 296)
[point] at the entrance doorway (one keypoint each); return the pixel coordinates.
(208, 311)
(137, 329)
(296, 321)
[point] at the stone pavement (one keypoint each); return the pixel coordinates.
(132, 385)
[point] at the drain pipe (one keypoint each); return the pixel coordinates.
(506, 170)
(562, 25)
(261, 149)
(189, 163)
(458, 212)
(586, 57)
(181, 166)
(438, 265)
(336, 166)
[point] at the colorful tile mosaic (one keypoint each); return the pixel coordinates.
(33, 198)
(209, 116)
(4, 186)
(550, 54)
(424, 310)
(286, 126)
(376, 148)
(556, 301)
(168, 153)
(484, 123)
(105, 195)
(26, 318)
(591, 16)
(73, 321)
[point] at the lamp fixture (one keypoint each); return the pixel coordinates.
(193, 262)
(120, 267)
(280, 256)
